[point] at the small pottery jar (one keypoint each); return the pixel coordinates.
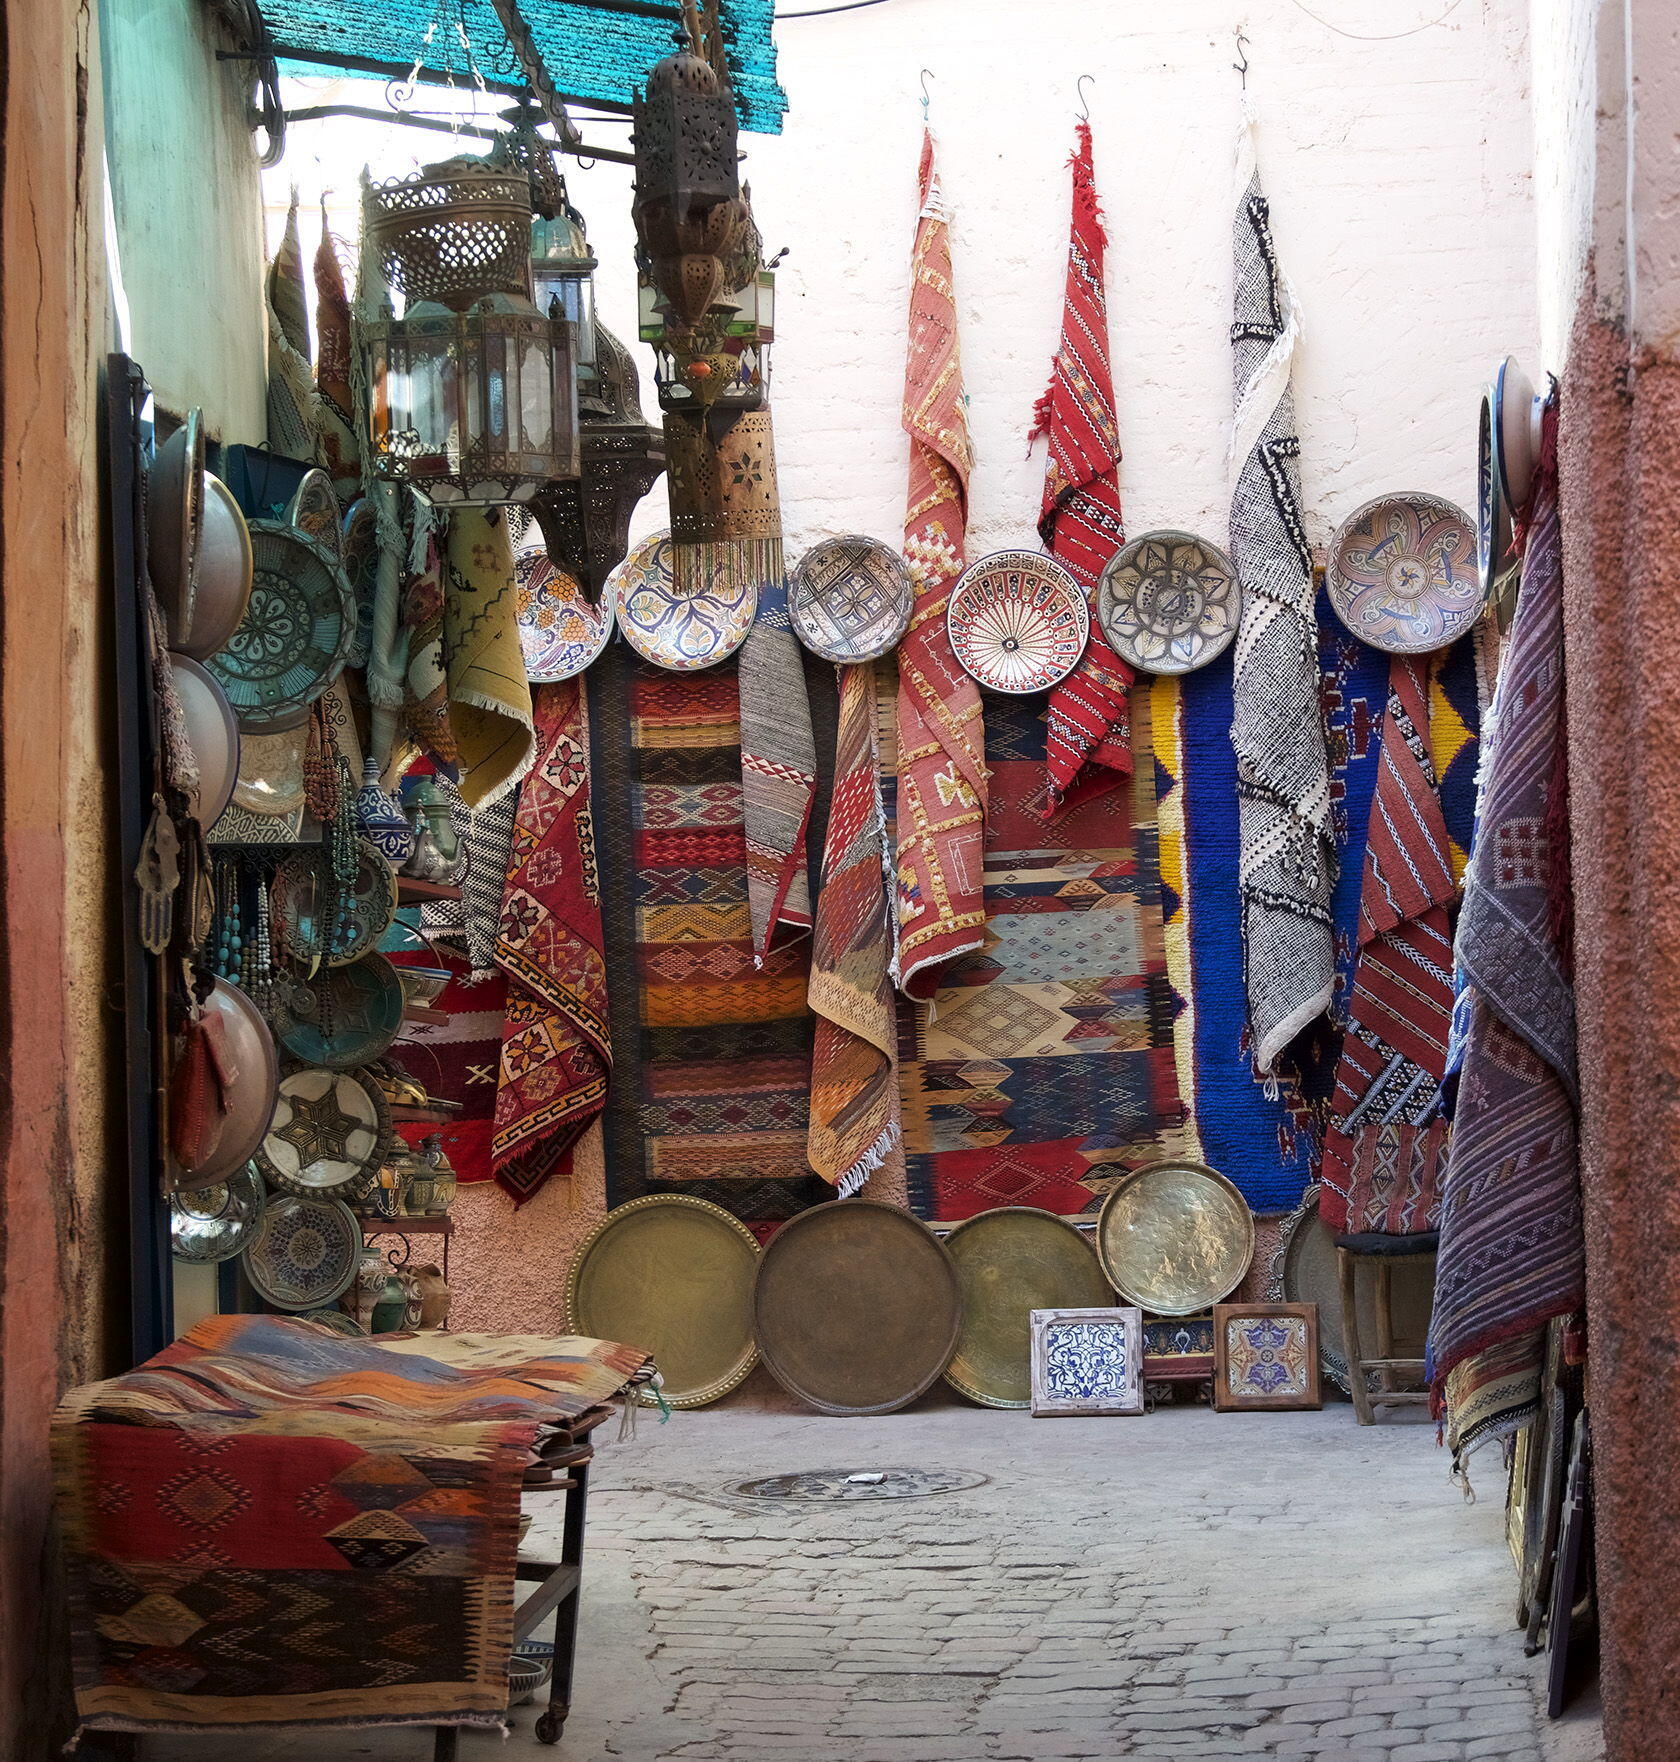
(444, 1180)
(380, 819)
(390, 1313)
(369, 1286)
(390, 1194)
(421, 1197)
(434, 1296)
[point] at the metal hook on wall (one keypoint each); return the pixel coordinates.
(1079, 92)
(1241, 65)
(926, 76)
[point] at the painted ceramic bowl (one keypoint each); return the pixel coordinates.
(344, 1016)
(1517, 414)
(682, 631)
(1403, 574)
(328, 1133)
(1169, 602)
(559, 630)
(1018, 622)
(306, 1254)
(212, 1224)
(850, 599)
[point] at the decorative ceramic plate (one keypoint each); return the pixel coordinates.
(1304, 1270)
(1169, 602)
(1403, 574)
(214, 1223)
(271, 772)
(1174, 1237)
(328, 1134)
(850, 599)
(674, 1274)
(345, 1016)
(1009, 1263)
(306, 1254)
(856, 1307)
(337, 1320)
(300, 896)
(213, 735)
(1018, 621)
(1517, 415)
(293, 640)
(559, 630)
(314, 510)
(684, 632)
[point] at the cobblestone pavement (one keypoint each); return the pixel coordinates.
(1184, 1585)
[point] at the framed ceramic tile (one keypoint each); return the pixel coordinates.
(1178, 1349)
(1265, 1355)
(1087, 1361)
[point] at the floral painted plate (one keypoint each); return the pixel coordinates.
(214, 1223)
(1018, 621)
(306, 1254)
(1403, 574)
(850, 599)
(344, 1016)
(1169, 602)
(559, 630)
(684, 632)
(296, 632)
(328, 1134)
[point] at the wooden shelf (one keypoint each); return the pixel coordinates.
(423, 1012)
(406, 1115)
(409, 1226)
(411, 890)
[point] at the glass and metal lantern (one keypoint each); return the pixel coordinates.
(472, 392)
(563, 279)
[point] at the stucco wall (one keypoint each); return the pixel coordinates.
(185, 194)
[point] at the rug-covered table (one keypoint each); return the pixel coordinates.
(269, 1524)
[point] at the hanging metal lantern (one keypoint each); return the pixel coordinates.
(586, 524)
(721, 362)
(687, 206)
(563, 281)
(472, 393)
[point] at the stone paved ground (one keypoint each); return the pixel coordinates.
(1185, 1585)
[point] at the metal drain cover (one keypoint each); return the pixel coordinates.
(862, 1483)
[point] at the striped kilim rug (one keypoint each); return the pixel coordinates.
(711, 1055)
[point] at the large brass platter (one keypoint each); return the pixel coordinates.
(674, 1276)
(1010, 1262)
(856, 1306)
(1304, 1270)
(1174, 1237)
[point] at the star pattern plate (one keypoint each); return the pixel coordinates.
(296, 633)
(1017, 621)
(684, 632)
(306, 1254)
(850, 599)
(559, 630)
(1169, 602)
(1403, 574)
(328, 1134)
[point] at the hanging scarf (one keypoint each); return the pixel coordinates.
(941, 797)
(1283, 775)
(854, 1095)
(341, 451)
(556, 1042)
(1087, 721)
(489, 698)
(426, 687)
(1512, 1255)
(293, 407)
(1382, 1152)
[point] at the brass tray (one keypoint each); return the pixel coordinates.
(856, 1307)
(1010, 1262)
(1304, 1270)
(1174, 1237)
(673, 1276)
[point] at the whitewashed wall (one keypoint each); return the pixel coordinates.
(1400, 174)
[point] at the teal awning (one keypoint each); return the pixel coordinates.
(596, 51)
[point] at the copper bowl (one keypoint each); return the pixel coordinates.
(221, 576)
(255, 1085)
(212, 733)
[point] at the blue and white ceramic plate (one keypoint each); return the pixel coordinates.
(307, 1253)
(684, 632)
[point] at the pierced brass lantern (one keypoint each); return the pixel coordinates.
(472, 392)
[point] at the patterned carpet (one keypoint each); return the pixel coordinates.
(1044, 1067)
(711, 1057)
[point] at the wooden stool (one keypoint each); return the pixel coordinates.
(1384, 1250)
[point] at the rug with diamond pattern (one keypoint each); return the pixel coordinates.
(271, 1525)
(1044, 1068)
